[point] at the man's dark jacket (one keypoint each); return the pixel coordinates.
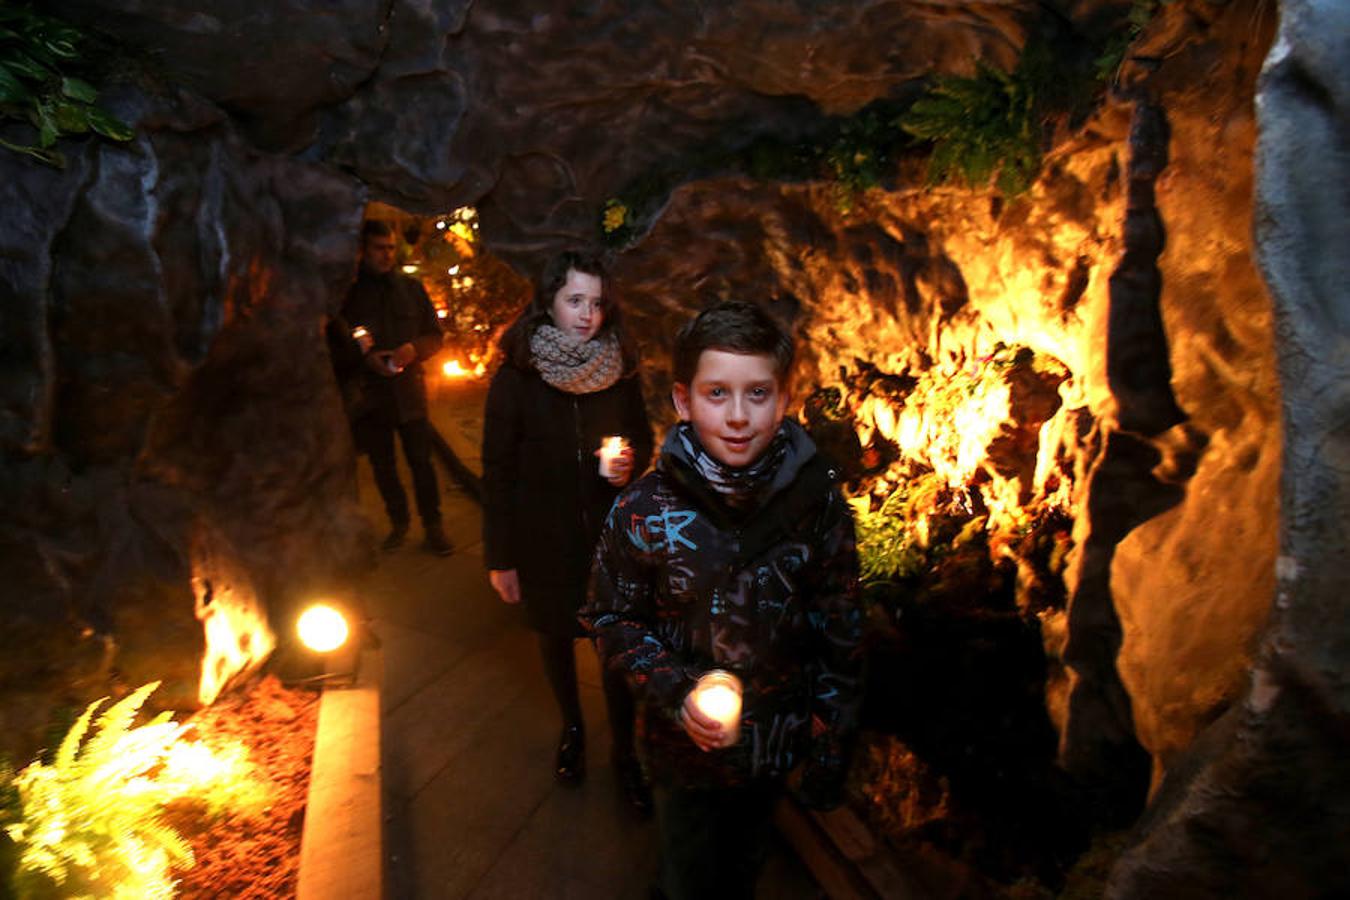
(395, 310)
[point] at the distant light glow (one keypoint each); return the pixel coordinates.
(442, 313)
(453, 270)
(409, 269)
(322, 628)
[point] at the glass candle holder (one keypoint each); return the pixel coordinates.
(610, 449)
(718, 696)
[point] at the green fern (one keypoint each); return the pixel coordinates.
(982, 127)
(887, 548)
(90, 822)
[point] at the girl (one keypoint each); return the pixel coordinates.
(568, 381)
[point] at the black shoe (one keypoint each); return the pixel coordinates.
(436, 542)
(394, 540)
(633, 785)
(571, 766)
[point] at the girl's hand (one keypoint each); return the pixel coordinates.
(621, 467)
(506, 584)
(705, 732)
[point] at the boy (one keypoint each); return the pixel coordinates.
(735, 553)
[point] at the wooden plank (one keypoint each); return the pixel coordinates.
(837, 876)
(341, 848)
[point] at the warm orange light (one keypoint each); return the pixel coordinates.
(452, 369)
(322, 628)
(234, 622)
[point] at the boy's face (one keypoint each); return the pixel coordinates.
(734, 403)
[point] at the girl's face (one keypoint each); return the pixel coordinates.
(576, 309)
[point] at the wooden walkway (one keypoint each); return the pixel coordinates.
(471, 807)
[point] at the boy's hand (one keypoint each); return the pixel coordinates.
(705, 732)
(506, 583)
(621, 467)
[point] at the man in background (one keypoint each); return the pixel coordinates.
(394, 326)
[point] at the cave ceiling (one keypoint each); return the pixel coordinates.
(538, 111)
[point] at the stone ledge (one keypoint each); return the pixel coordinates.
(341, 849)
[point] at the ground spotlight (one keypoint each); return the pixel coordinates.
(322, 628)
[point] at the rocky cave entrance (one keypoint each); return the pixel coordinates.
(988, 377)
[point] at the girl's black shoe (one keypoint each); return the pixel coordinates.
(571, 766)
(633, 785)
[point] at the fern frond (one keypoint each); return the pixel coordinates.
(116, 721)
(70, 745)
(91, 823)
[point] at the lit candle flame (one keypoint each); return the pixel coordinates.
(610, 449)
(718, 696)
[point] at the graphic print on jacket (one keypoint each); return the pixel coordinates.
(683, 584)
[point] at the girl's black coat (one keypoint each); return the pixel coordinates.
(544, 500)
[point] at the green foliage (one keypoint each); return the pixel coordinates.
(852, 154)
(887, 544)
(41, 59)
(856, 160)
(987, 125)
(887, 549)
(1108, 62)
(90, 821)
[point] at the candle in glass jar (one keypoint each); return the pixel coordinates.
(718, 696)
(610, 449)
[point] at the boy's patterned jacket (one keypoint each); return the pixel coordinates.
(682, 584)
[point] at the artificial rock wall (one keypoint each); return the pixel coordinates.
(165, 389)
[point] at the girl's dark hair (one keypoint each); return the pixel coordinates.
(515, 342)
(735, 326)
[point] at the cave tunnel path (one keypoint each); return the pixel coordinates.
(469, 729)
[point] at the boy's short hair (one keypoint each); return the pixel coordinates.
(735, 326)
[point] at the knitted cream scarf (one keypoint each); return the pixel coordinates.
(577, 367)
